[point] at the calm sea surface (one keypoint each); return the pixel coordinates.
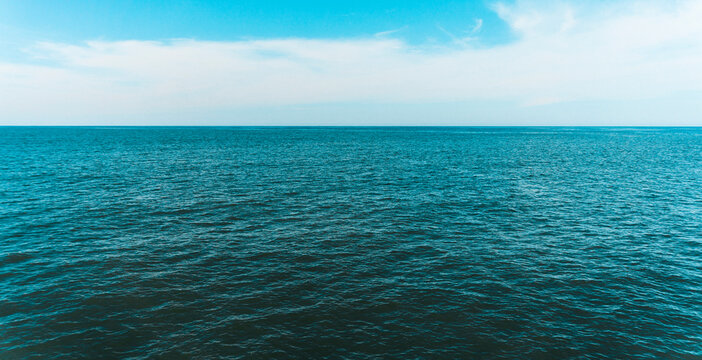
(406, 243)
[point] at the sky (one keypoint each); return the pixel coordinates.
(383, 62)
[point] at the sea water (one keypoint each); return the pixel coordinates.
(407, 243)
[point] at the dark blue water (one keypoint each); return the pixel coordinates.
(355, 243)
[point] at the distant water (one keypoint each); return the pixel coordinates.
(406, 243)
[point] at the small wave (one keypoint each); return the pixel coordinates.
(14, 258)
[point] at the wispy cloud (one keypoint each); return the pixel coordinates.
(564, 52)
(390, 32)
(463, 41)
(478, 25)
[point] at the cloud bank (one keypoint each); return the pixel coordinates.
(563, 52)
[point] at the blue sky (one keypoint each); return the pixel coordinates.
(417, 21)
(350, 62)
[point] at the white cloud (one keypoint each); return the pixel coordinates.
(564, 52)
(478, 25)
(389, 32)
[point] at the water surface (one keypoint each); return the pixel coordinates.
(354, 243)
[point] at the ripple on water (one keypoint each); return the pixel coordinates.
(350, 242)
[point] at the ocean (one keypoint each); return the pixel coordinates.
(350, 243)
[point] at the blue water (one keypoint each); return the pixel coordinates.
(359, 243)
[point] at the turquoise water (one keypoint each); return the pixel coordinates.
(353, 243)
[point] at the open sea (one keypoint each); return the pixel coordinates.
(350, 243)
